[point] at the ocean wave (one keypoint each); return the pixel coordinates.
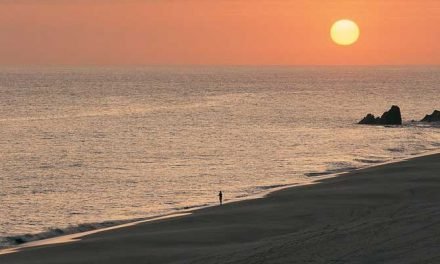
(330, 171)
(422, 124)
(398, 149)
(11, 241)
(269, 187)
(192, 206)
(370, 161)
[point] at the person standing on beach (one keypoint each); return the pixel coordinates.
(220, 197)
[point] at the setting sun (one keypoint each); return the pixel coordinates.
(345, 32)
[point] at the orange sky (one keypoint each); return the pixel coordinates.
(257, 32)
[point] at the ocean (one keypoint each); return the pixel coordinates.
(86, 147)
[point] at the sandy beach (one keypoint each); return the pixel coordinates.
(384, 214)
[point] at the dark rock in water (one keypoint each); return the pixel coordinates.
(369, 119)
(434, 117)
(391, 117)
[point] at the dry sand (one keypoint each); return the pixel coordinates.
(385, 214)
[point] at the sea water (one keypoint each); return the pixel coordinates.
(94, 145)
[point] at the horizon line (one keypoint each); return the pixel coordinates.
(215, 65)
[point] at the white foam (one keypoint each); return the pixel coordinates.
(75, 237)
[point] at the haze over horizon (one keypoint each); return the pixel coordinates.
(196, 32)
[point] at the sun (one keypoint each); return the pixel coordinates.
(345, 32)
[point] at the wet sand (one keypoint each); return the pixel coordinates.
(384, 214)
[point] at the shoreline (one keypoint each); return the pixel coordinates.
(77, 236)
(382, 214)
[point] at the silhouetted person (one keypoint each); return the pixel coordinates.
(220, 197)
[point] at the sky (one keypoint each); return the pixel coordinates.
(216, 32)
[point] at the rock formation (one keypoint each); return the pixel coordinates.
(391, 117)
(434, 117)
